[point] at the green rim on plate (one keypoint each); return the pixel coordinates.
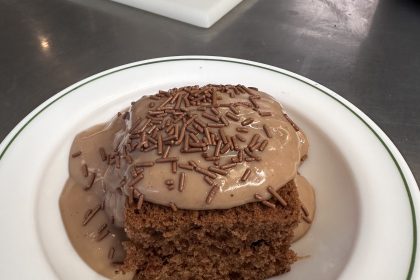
(261, 66)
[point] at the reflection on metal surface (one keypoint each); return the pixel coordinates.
(329, 30)
(45, 45)
(354, 17)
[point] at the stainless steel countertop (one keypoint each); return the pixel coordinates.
(367, 51)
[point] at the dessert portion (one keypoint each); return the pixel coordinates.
(190, 183)
(250, 241)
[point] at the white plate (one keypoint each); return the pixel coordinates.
(367, 198)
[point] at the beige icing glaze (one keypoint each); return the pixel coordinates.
(74, 202)
(278, 165)
(307, 198)
(304, 144)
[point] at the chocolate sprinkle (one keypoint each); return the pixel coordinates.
(91, 181)
(307, 219)
(111, 253)
(102, 153)
(265, 114)
(232, 116)
(218, 170)
(234, 110)
(235, 143)
(117, 161)
(217, 149)
(90, 213)
(225, 149)
(212, 194)
(174, 166)
(262, 146)
(160, 144)
(169, 159)
(102, 236)
(102, 228)
(200, 122)
(254, 102)
(195, 150)
(76, 154)
(173, 206)
(224, 120)
(215, 125)
(265, 202)
(248, 152)
(210, 117)
(277, 196)
(206, 172)
(137, 179)
(304, 210)
(87, 213)
(208, 180)
(246, 174)
(223, 136)
(242, 129)
(254, 140)
(213, 158)
(240, 138)
(194, 137)
(228, 166)
(267, 131)
(85, 171)
(140, 202)
(145, 164)
(193, 163)
(129, 159)
(291, 122)
(185, 166)
(207, 133)
(169, 182)
(166, 153)
(181, 185)
(241, 155)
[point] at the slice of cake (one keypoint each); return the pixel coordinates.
(251, 241)
(203, 181)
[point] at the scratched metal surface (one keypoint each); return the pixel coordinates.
(367, 51)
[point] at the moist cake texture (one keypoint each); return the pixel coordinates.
(250, 241)
(202, 180)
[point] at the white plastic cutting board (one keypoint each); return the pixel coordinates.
(202, 13)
